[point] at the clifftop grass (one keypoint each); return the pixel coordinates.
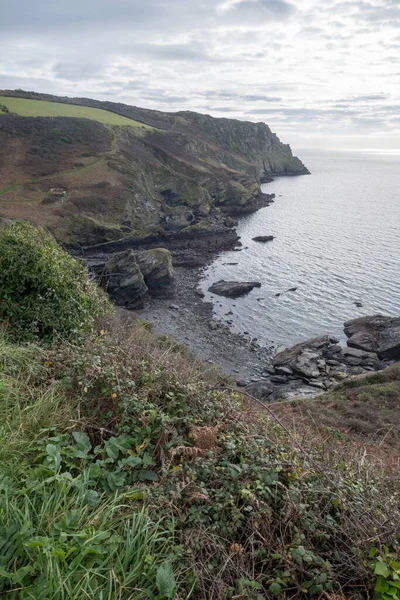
(41, 108)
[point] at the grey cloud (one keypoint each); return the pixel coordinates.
(371, 98)
(76, 72)
(190, 52)
(223, 109)
(269, 59)
(160, 96)
(246, 97)
(254, 10)
(50, 17)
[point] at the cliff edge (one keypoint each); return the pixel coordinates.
(104, 175)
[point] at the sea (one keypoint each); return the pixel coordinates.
(336, 240)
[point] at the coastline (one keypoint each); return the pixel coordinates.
(188, 319)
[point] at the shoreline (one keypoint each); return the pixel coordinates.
(188, 319)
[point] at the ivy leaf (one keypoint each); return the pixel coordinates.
(165, 580)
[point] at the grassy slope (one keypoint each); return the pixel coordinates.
(40, 108)
(364, 412)
(254, 514)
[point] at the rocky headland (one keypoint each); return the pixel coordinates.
(172, 180)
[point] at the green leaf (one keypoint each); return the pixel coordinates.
(83, 441)
(275, 588)
(18, 576)
(54, 456)
(130, 461)
(381, 569)
(116, 480)
(145, 475)
(372, 552)
(395, 566)
(381, 585)
(92, 497)
(165, 580)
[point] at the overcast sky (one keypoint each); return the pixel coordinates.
(321, 73)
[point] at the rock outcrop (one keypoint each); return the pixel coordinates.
(377, 333)
(320, 363)
(303, 358)
(233, 289)
(124, 281)
(130, 278)
(157, 270)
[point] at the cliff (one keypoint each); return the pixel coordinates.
(152, 178)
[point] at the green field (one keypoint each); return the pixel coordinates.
(41, 108)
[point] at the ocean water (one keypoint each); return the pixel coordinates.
(337, 240)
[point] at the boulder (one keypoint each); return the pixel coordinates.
(131, 277)
(377, 333)
(157, 270)
(357, 353)
(124, 280)
(284, 371)
(303, 358)
(233, 289)
(263, 390)
(263, 238)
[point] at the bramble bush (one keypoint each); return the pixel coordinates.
(44, 292)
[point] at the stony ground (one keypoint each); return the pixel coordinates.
(189, 320)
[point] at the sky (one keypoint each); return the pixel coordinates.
(320, 73)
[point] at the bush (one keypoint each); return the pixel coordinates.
(44, 292)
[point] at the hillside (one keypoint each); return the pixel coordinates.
(100, 172)
(129, 469)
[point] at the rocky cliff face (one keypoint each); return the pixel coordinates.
(181, 178)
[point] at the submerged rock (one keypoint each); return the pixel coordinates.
(377, 333)
(233, 289)
(263, 238)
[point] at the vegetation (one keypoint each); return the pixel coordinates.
(40, 108)
(130, 470)
(44, 292)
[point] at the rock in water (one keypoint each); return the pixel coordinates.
(124, 281)
(377, 333)
(233, 289)
(263, 238)
(157, 270)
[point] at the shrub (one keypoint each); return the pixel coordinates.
(44, 292)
